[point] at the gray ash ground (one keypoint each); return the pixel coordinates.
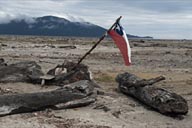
(150, 58)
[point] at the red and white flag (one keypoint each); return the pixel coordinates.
(120, 38)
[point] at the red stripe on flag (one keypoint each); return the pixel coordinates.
(121, 44)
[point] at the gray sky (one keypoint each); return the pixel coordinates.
(157, 18)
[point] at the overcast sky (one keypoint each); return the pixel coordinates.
(157, 18)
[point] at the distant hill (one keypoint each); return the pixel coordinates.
(53, 26)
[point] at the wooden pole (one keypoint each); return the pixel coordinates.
(95, 45)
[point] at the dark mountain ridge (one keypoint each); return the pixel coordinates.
(52, 26)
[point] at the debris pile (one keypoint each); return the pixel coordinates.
(30, 71)
(76, 89)
(77, 94)
(67, 73)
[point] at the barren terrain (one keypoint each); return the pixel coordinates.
(150, 58)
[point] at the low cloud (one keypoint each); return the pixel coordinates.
(140, 17)
(6, 18)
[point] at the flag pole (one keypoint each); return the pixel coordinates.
(95, 45)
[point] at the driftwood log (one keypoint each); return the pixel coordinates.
(160, 99)
(73, 95)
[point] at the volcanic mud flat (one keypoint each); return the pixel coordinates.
(150, 58)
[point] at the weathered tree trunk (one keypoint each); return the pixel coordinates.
(19, 103)
(162, 100)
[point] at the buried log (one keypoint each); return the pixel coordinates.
(19, 72)
(28, 102)
(160, 99)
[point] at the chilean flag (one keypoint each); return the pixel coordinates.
(120, 38)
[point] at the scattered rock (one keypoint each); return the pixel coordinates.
(188, 53)
(2, 63)
(68, 47)
(6, 91)
(4, 45)
(167, 52)
(103, 107)
(116, 113)
(99, 92)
